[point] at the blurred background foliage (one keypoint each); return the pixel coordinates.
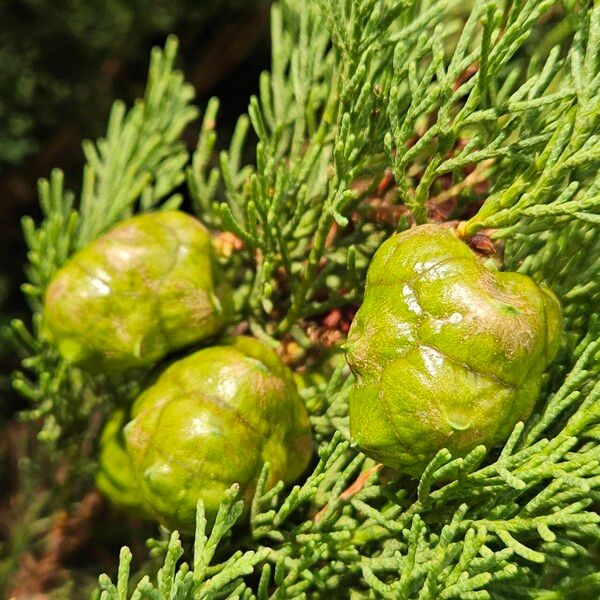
(63, 61)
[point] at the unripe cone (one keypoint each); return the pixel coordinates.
(146, 288)
(115, 477)
(447, 354)
(213, 419)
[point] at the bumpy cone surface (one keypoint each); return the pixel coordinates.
(447, 354)
(213, 419)
(115, 477)
(147, 287)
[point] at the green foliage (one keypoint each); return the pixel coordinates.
(561, 105)
(319, 128)
(202, 581)
(461, 105)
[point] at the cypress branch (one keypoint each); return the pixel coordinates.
(490, 110)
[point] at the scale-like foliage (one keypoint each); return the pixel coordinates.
(376, 114)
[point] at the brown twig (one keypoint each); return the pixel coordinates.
(67, 535)
(354, 488)
(465, 75)
(385, 212)
(478, 176)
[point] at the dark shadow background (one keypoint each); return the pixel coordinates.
(63, 62)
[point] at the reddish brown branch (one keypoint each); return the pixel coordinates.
(68, 534)
(354, 488)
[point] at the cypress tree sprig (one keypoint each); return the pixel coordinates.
(560, 184)
(318, 116)
(459, 105)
